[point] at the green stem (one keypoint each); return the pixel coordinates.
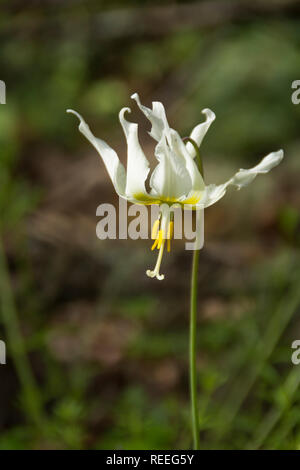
(31, 395)
(193, 323)
(193, 366)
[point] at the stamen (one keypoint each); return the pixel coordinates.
(170, 235)
(154, 244)
(155, 227)
(155, 272)
(170, 230)
(160, 238)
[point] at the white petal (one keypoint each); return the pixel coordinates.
(170, 179)
(268, 162)
(137, 163)
(157, 117)
(180, 149)
(212, 194)
(160, 128)
(242, 178)
(110, 159)
(199, 131)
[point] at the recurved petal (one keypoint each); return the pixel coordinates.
(180, 149)
(157, 117)
(137, 163)
(200, 130)
(110, 159)
(242, 178)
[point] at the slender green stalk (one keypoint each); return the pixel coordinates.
(31, 395)
(193, 365)
(193, 324)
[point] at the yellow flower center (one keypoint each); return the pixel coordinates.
(160, 238)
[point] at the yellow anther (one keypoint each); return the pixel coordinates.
(170, 235)
(155, 227)
(154, 244)
(160, 238)
(170, 230)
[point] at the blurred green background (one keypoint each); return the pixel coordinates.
(97, 353)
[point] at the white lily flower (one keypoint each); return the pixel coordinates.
(176, 179)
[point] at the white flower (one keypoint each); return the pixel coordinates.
(176, 178)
